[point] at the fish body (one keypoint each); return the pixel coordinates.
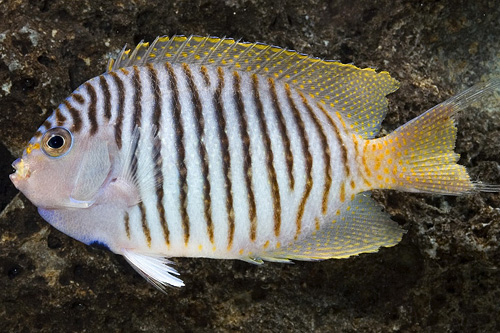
(207, 147)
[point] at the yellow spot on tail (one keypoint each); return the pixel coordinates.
(214, 248)
(266, 244)
(241, 252)
(200, 247)
(278, 245)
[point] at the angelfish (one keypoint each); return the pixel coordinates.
(209, 147)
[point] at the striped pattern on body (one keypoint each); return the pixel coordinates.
(247, 162)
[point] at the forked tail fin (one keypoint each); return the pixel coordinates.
(419, 156)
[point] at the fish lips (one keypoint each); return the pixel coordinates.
(21, 172)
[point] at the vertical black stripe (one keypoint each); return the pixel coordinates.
(343, 148)
(325, 149)
(75, 116)
(247, 157)
(78, 98)
(283, 132)
(199, 124)
(60, 118)
(308, 160)
(92, 108)
(226, 158)
(181, 153)
(271, 172)
(119, 109)
(136, 82)
(107, 96)
(156, 121)
(206, 75)
(144, 223)
(126, 220)
(47, 123)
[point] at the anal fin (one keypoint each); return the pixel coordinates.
(361, 227)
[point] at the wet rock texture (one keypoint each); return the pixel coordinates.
(444, 275)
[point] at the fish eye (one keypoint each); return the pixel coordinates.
(56, 142)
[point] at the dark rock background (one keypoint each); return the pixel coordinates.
(444, 276)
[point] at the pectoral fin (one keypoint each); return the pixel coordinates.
(93, 168)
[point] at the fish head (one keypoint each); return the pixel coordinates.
(61, 168)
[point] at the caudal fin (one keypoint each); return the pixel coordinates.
(419, 156)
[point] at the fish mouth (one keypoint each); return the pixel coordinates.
(21, 171)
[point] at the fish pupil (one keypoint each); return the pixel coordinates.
(56, 142)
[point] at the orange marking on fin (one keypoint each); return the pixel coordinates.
(363, 158)
(342, 192)
(341, 119)
(316, 222)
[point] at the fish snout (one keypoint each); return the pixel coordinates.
(21, 171)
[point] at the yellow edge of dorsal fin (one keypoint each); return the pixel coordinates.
(358, 94)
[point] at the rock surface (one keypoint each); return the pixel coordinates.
(444, 276)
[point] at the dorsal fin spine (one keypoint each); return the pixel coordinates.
(214, 49)
(181, 49)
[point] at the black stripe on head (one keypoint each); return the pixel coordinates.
(92, 108)
(78, 98)
(75, 116)
(60, 118)
(103, 84)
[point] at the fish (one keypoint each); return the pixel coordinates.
(194, 146)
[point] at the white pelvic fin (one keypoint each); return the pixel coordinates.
(359, 227)
(155, 269)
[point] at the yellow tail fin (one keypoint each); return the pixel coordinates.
(419, 156)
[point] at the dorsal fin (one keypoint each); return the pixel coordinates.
(358, 94)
